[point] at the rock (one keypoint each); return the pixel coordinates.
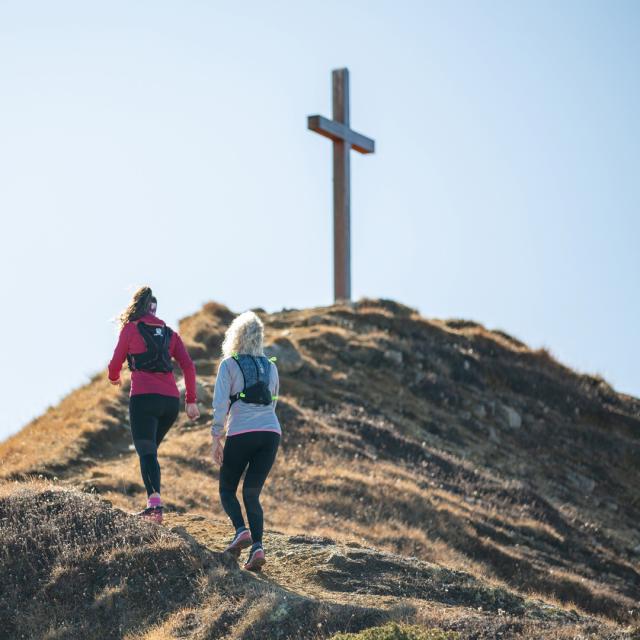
(479, 411)
(289, 359)
(393, 356)
(305, 539)
(513, 418)
(493, 434)
(584, 484)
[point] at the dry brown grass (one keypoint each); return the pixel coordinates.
(62, 435)
(74, 567)
(397, 458)
(61, 551)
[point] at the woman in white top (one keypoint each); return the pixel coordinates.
(244, 402)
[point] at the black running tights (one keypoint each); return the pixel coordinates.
(151, 416)
(254, 451)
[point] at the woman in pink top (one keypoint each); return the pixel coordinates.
(149, 345)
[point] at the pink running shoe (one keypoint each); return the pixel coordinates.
(154, 514)
(256, 560)
(241, 541)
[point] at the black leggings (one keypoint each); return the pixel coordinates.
(254, 451)
(151, 416)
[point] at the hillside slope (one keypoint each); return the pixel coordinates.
(74, 567)
(435, 439)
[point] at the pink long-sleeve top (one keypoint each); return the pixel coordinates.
(130, 341)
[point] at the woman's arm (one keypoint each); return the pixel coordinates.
(221, 400)
(120, 353)
(181, 354)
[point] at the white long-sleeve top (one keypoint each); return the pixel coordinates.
(241, 417)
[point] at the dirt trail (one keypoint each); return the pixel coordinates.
(293, 562)
(348, 573)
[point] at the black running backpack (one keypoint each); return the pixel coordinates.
(256, 372)
(156, 359)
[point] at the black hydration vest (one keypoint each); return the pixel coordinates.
(256, 372)
(156, 359)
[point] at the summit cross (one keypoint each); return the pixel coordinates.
(344, 139)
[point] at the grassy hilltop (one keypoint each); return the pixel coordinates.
(432, 473)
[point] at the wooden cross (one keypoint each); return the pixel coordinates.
(344, 139)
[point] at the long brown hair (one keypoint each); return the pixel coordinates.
(139, 305)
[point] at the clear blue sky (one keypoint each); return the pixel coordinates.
(166, 143)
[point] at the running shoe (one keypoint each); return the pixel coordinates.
(256, 560)
(241, 541)
(154, 514)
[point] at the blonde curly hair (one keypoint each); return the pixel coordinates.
(244, 335)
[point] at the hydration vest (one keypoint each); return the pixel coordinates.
(256, 372)
(156, 359)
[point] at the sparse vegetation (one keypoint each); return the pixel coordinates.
(395, 631)
(70, 562)
(442, 441)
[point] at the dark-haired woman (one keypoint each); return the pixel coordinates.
(149, 346)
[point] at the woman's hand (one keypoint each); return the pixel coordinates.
(218, 451)
(115, 383)
(192, 411)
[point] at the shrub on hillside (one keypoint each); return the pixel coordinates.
(71, 563)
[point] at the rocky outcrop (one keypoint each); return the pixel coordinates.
(288, 358)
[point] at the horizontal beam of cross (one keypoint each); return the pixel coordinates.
(339, 132)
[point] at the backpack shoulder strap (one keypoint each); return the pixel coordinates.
(238, 360)
(267, 362)
(145, 331)
(240, 394)
(254, 361)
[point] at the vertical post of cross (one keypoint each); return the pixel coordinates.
(341, 190)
